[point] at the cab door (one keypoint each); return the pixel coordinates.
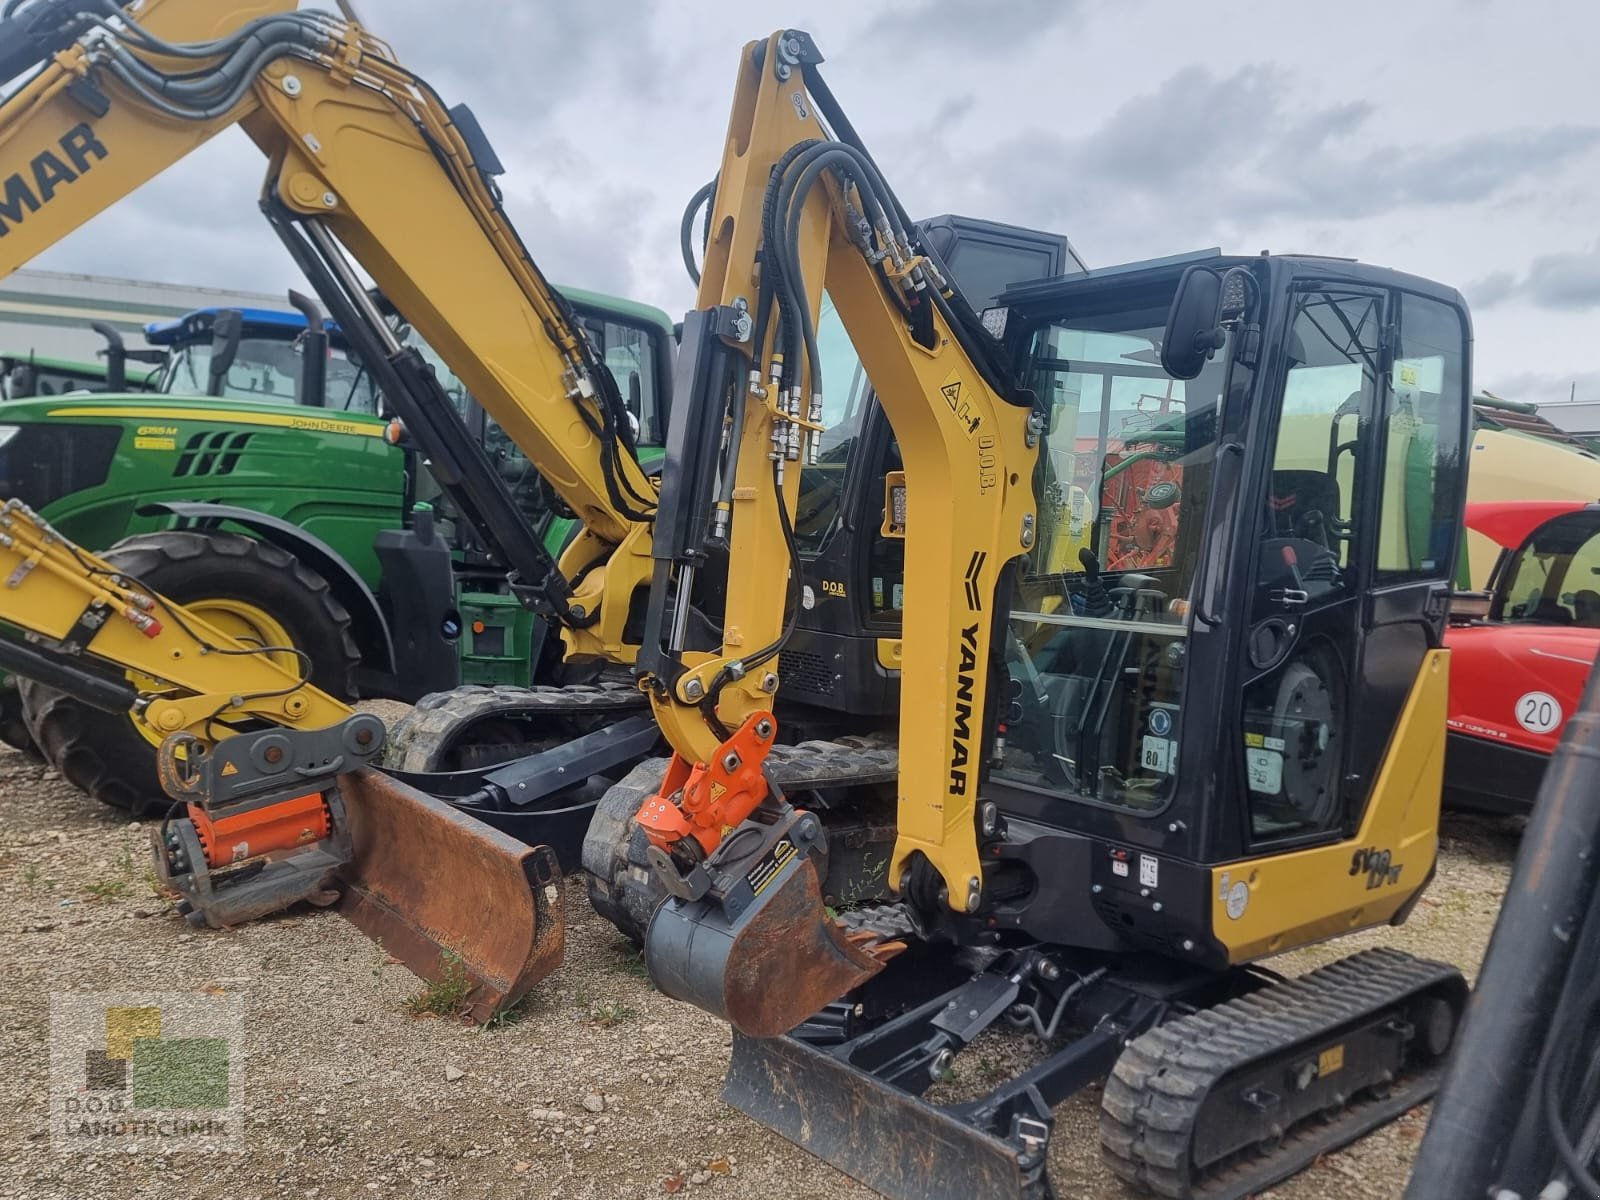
(1359, 525)
(1315, 504)
(1422, 443)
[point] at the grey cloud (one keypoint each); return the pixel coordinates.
(1560, 281)
(1565, 280)
(959, 26)
(1491, 289)
(1203, 150)
(517, 57)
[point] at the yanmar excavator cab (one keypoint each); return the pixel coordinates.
(1177, 545)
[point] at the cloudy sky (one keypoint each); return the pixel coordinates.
(1458, 139)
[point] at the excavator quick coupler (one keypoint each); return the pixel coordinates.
(746, 935)
(281, 815)
(265, 824)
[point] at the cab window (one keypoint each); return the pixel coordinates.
(1555, 578)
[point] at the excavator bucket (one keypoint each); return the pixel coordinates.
(447, 895)
(759, 949)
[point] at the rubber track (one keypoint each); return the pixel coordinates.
(418, 739)
(1154, 1095)
(623, 888)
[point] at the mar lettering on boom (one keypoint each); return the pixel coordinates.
(29, 191)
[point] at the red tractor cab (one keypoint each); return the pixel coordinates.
(1518, 670)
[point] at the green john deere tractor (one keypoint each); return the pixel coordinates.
(259, 489)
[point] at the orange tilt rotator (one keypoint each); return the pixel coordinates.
(713, 797)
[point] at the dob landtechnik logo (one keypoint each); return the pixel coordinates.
(153, 1071)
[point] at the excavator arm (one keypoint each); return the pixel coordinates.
(799, 210)
(365, 166)
(364, 162)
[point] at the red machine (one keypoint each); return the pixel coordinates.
(1516, 673)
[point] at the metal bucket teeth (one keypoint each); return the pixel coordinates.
(448, 895)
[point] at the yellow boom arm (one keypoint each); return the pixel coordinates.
(191, 673)
(970, 505)
(362, 155)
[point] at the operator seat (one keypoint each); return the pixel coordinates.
(1586, 609)
(1304, 504)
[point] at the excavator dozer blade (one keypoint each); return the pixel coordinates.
(447, 895)
(761, 952)
(894, 1142)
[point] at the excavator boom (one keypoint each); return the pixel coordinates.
(746, 934)
(365, 161)
(365, 165)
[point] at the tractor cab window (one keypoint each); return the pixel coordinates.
(629, 352)
(1099, 618)
(1554, 579)
(267, 370)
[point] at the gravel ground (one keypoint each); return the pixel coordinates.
(601, 1088)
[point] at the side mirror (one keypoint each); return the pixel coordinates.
(1194, 332)
(227, 328)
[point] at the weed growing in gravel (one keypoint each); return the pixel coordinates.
(501, 1017)
(30, 876)
(153, 882)
(630, 960)
(610, 1012)
(867, 885)
(991, 1070)
(106, 889)
(445, 996)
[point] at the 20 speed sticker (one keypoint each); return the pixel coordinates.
(1539, 712)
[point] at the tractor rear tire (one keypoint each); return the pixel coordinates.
(104, 754)
(13, 725)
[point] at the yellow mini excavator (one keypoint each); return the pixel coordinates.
(1127, 773)
(364, 163)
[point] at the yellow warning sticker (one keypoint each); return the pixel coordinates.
(155, 443)
(1330, 1060)
(229, 769)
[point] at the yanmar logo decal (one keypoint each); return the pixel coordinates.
(961, 726)
(28, 191)
(970, 581)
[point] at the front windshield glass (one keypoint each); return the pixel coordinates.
(267, 370)
(1099, 616)
(1555, 578)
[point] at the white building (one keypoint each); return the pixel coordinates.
(48, 312)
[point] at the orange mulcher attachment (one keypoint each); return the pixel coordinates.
(284, 815)
(745, 934)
